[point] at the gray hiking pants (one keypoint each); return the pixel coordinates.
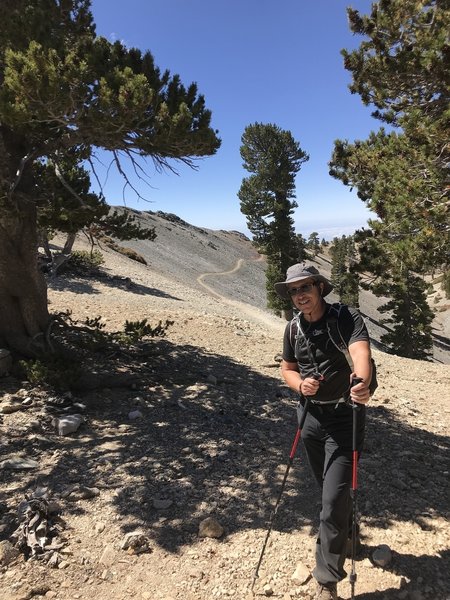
(327, 438)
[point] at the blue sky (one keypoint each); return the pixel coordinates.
(254, 61)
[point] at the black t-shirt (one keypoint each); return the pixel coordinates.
(330, 361)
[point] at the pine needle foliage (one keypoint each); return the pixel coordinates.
(267, 198)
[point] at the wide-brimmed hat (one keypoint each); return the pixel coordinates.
(299, 272)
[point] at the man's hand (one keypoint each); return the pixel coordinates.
(310, 385)
(359, 392)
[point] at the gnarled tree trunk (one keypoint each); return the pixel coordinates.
(24, 317)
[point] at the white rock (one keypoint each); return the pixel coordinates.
(68, 424)
(268, 590)
(301, 574)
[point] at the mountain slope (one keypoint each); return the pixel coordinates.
(185, 253)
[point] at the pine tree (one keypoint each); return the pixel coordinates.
(410, 316)
(273, 158)
(343, 276)
(78, 209)
(446, 283)
(401, 68)
(313, 243)
(338, 266)
(63, 92)
(301, 253)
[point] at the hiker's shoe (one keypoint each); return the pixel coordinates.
(326, 592)
(358, 547)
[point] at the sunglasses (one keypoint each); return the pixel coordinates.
(301, 289)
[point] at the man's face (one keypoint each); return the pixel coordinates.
(305, 294)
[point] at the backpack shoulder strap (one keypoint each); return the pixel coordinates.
(335, 336)
(296, 332)
(293, 330)
(334, 333)
(297, 336)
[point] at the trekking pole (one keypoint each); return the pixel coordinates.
(288, 467)
(354, 489)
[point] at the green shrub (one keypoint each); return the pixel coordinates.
(82, 261)
(53, 371)
(135, 331)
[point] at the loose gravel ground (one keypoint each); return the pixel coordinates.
(214, 430)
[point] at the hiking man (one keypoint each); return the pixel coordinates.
(316, 368)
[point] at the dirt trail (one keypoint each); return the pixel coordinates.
(254, 313)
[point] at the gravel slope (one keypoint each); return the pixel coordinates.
(184, 252)
(215, 428)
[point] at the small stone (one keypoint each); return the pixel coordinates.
(382, 555)
(268, 590)
(18, 463)
(81, 492)
(134, 415)
(161, 504)
(197, 574)
(108, 557)
(136, 542)
(67, 424)
(7, 408)
(301, 574)
(7, 553)
(100, 527)
(210, 528)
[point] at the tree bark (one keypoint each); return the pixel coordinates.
(71, 237)
(24, 316)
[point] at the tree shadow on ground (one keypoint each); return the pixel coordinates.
(214, 439)
(432, 571)
(86, 285)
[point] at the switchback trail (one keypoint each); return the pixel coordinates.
(253, 312)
